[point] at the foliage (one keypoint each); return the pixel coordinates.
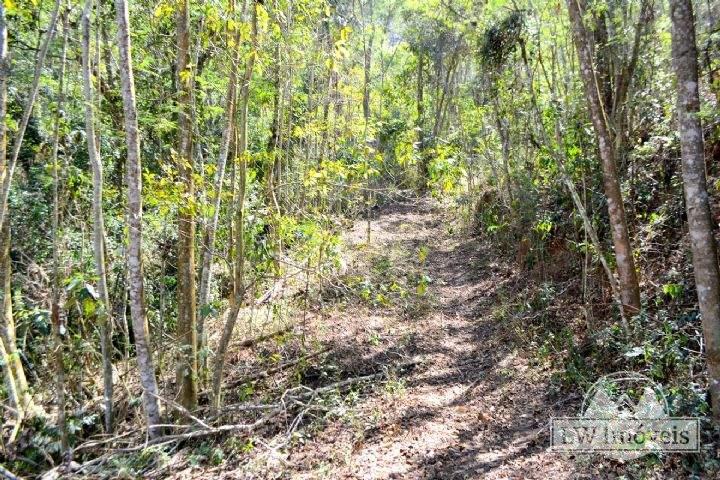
(337, 126)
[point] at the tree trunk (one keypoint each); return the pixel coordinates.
(629, 287)
(209, 244)
(15, 380)
(423, 167)
(443, 94)
(11, 386)
(272, 174)
(134, 180)
(367, 59)
(58, 328)
(330, 82)
(15, 373)
(560, 155)
(20, 134)
(187, 320)
(504, 134)
(105, 311)
(367, 68)
(700, 224)
(239, 230)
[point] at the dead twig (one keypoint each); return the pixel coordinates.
(366, 378)
(253, 341)
(105, 441)
(8, 475)
(180, 409)
(274, 370)
(298, 396)
(207, 432)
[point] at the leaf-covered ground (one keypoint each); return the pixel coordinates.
(475, 407)
(416, 359)
(472, 405)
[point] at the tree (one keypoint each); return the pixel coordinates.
(134, 256)
(272, 168)
(228, 133)
(367, 69)
(6, 348)
(57, 323)
(330, 84)
(286, 131)
(15, 374)
(239, 231)
(423, 161)
(700, 223)
(629, 286)
(104, 312)
(187, 306)
(9, 169)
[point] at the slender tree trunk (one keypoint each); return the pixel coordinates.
(106, 48)
(367, 67)
(244, 98)
(13, 364)
(134, 180)
(209, 244)
(15, 375)
(560, 155)
(423, 167)
(11, 386)
(58, 329)
(105, 312)
(444, 93)
(187, 319)
(287, 193)
(20, 134)
(284, 177)
(239, 230)
(629, 287)
(504, 134)
(241, 153)
(274, 140)
(700, 223)
(15, 380)
(330, 81)
(311, 115)
(619, 109)
(367, 59)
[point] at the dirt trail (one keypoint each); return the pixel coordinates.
(475, 407)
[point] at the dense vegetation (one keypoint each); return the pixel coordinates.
(171, 168)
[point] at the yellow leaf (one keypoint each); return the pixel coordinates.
(186, 76)
(163, 10)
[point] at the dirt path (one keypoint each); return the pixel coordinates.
(475, 407)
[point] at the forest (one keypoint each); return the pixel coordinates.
(359, 239)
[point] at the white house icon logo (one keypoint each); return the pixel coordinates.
(625, 415)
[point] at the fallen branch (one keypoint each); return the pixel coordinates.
(342, 384)
(97, 443)
(290, 397)
(274, 370)
(253, 341)
(7, 474)
(180, 409)
(207, 432)
(243, 407)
